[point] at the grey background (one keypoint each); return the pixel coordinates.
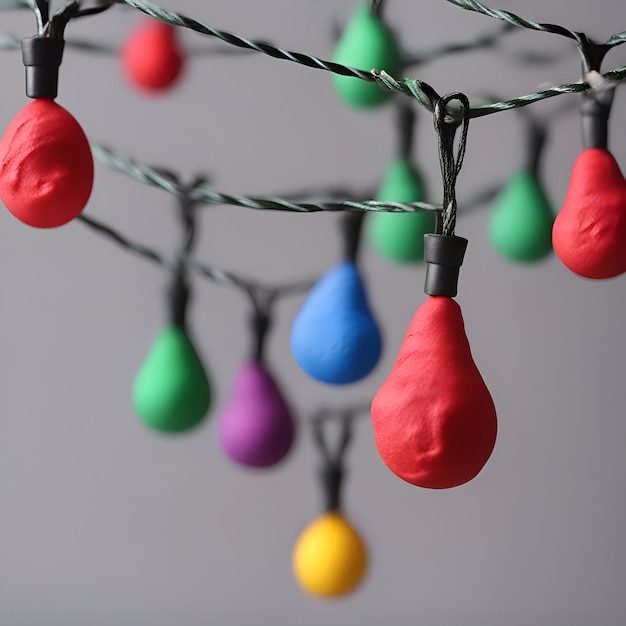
(105, 523)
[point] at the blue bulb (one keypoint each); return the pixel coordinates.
(334, 337)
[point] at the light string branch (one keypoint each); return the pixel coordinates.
(263, 298)
(516, 20)
(486, 40)
(254, 289)
(176, 19)
(428, 97)
(157, 177)
(11, 42)
(420, 90)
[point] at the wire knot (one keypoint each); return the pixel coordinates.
(602, 87)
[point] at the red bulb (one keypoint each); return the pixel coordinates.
(46, 167)
(434, 420)
(151, 56)
(589, 232)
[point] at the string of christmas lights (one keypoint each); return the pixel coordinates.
(421, 91)
(434, 419)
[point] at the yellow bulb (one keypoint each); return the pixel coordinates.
(329, 558)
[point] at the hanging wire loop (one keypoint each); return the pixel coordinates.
(332, 471)
(447, 120)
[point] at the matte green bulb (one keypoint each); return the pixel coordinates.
(520, 226)
(400, 236)
(171, 392)
(365, 44)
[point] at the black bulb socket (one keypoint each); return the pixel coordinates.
(260, 324)
(444, 256)
(594, 115)
(331, 477)
(42, 58)
(178, 296)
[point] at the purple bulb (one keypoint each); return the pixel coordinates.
(256, 427)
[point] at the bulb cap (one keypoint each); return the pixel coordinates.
(594, 117)
(178, 297)
(42, 57)
(443, 255)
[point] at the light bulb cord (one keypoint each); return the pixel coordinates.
(332, 471)
(596, 103)
(446, 124)
(180, 290)
(352, 227)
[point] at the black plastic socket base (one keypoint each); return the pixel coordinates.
(594, 115)
(42, 57)
(178, 296)
(352, 224)
(331, 476)
(444, 256)
(260, 323)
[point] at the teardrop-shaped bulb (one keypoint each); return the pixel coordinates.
(399, 237)
(367, 43)
(520, 227)
(334, 337)
(329, 558)
(434, 420)
(590, 231)
(171, 391)
(152, 58)
(256, 427)
(46, 167)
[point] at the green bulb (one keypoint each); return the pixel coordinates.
(365, 44)
(171, 392)
(400, 236)
(520, 226)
